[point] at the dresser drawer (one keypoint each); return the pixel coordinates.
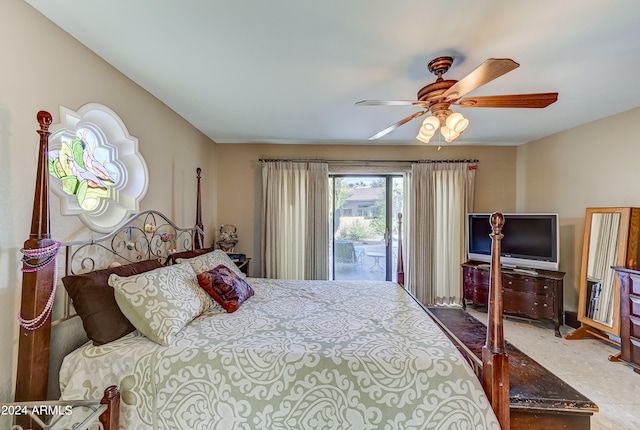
(634, 326)
(634, 285)
(634, 305)
(635, 350)
(527, 284)
(634, 320)
(476, 293)
(476, 276)
(531, 305)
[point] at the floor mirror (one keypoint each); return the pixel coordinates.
(610, 239)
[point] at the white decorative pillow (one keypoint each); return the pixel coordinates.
(160, 302)
(211, 260)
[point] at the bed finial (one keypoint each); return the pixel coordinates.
(495, 362)
(198, 235)
(44, 119)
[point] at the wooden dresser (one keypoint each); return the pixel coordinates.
(629, 316)
(538, 296)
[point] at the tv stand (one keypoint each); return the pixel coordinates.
(535, 294)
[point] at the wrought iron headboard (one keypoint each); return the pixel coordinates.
(145, 236)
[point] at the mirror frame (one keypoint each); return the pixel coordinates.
(627, 255)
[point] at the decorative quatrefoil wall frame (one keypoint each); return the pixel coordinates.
(96, 168)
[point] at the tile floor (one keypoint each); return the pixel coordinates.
(583, 364)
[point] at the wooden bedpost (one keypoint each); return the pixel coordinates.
(111, 418)
(495, 362)
(400, 266)
(198, 235)
(37, 286)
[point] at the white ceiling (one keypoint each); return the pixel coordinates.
(290, 71)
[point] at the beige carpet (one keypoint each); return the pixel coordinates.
(584, 365)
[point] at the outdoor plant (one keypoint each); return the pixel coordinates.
(358, 230)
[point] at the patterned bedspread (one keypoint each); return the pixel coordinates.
(297, 355)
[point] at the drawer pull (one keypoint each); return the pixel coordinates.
(535, 303)
(510, 283)
(545, 305)
(546, 287)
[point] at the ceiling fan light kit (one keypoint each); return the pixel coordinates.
(431, 124)
(448, 134)
(457, 122)
(437, 97)
(451, 125)
(424, 136)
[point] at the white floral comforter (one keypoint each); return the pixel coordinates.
(297, 355)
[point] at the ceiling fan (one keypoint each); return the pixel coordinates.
(437, 98)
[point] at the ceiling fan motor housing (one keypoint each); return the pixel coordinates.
(433, 91)
(439, 66)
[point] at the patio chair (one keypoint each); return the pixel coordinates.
(344, 252)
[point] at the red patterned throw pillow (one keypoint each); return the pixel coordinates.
(226, 287)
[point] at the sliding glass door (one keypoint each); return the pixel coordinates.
(364, 223)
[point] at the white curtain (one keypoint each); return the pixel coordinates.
(295, 227)
(441, 194)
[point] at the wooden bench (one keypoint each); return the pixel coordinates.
(538, 398)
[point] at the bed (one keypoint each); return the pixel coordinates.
(284, 355)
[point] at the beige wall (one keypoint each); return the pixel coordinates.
(594, 165)
(240, 181)
(43, 68)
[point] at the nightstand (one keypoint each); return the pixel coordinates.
(244, 265)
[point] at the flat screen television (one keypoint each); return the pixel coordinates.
(531, 240)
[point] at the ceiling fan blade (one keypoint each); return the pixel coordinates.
(486, 72)
(540, 100)
(397, 124)
(388, 103)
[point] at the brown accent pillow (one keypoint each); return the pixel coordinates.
(226, 287)
(94, 301)
(189, 254)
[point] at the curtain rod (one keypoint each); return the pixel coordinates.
(265, 160)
